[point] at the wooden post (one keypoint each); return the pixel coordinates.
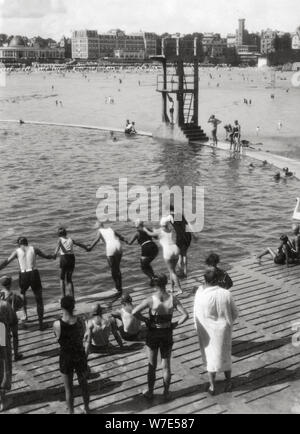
(196, 91)
(180, 97)
(164, 94)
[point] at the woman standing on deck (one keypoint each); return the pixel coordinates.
(161, 308)
(171, 251)
(69, 332)
(114, 253)
(6, 322)
(149, 250)
(214, 314)
(65, 249)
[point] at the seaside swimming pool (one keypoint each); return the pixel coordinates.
(50, 176)
(33, 97)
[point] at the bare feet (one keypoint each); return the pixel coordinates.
(148, 395)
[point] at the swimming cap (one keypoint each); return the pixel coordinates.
(165, 220)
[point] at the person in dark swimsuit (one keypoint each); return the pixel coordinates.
(184, 237)
(284, 254)
(224, 280)
(70, 332)
(161, 308)
(149, 250)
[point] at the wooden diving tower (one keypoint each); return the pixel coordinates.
(179, 85)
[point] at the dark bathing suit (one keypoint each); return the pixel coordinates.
(30, 279)
(160, 334)
(149, 248)
(183, 238)
(72, 355)
(280, 258)
(67, 264)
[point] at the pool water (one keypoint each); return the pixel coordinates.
(50, 176)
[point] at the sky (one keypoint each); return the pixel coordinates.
(54, 18)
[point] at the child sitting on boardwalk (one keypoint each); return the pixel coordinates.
(99, 330)
(131, 326)
(284, 254)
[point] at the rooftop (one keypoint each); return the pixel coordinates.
(17, 41)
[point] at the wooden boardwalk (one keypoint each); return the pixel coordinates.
(265, 369)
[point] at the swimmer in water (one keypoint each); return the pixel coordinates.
(149, 250)
(287, 173)
(264, 163)
(114, 253)
(277, 176)
(171, 251)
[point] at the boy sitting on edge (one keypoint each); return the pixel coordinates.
(131, 326)
(98, 332)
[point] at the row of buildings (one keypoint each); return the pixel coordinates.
(17, 50)
(89, 45)
(249, 46)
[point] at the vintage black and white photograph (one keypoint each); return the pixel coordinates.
(150, 209)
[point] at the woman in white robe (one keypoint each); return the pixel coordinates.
(215, 313)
